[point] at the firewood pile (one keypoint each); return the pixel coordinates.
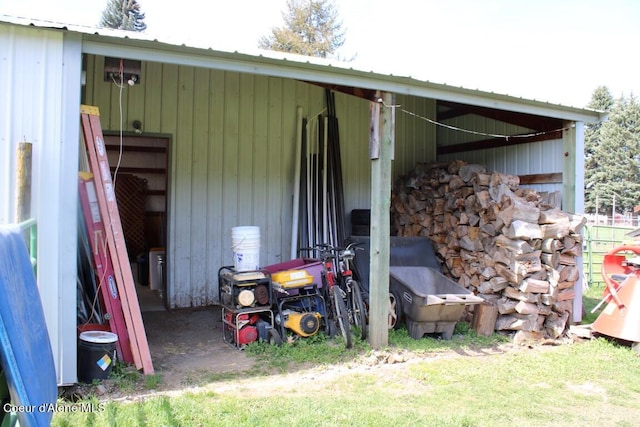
(513, 246)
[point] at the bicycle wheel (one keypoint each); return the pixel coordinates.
(395, 310)
(359, 310)
(342, 316)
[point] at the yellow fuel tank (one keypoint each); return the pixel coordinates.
(303, 324)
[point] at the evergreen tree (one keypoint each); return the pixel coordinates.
(601, 100)
(614, 172)
(123, 15)
(311, 28)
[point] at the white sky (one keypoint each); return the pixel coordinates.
(551, 50)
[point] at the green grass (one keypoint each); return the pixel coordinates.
(593, 383)
(591, 297)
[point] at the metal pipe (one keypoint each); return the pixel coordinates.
(296, 185)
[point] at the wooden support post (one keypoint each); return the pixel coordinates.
(382, 128)
(23, 182)
(572, 194)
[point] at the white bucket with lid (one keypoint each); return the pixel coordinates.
(245, 243)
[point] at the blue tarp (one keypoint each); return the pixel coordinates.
(25, 349)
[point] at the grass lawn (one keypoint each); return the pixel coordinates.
(468, 381)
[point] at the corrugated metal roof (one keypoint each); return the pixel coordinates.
(141, 46)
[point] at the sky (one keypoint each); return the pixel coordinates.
(557, 51)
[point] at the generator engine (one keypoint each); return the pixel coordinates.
(304, 324)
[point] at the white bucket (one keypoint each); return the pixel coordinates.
(245, 243)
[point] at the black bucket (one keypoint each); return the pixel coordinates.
(96, 355)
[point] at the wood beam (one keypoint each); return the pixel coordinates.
(497, 142)
(539, 123)
(368, 94)
(541, 178)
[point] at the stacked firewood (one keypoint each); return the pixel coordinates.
(511, 245)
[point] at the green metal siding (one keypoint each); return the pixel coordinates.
(232, 157)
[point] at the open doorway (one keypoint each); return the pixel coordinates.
(140, 168)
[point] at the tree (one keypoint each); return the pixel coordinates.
(123, 15)
(311, 28)
(612, 172)
(602, 100)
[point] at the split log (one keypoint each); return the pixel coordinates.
(480, 181)
(523, 230)
(550, 246)
(577, 223)
(511, 181)
(506, 305)
(484, 318)
(515, 208)
(505, 272)
(466, 172)
(517, 322)
(552, 259)
(518, 295)
(556, 323)
(518, 246)
(524, 307)
(533, 285)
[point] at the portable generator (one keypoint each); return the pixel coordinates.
(244, 289)
(303, 324)
(299, 306)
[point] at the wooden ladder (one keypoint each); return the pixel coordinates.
(106, 196)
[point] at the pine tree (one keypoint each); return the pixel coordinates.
(614, 172)
(123, 15)
(311, 28)
(602, 100)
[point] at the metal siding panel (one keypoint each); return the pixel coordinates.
(275, 150)
(69, 98)
(185, 294)
(135, 99)
(354, 151)
(168, 117)
(244, 151)
(201, 279)
(8, 115)
(261, 169)
(282, 230)
(219, 240)
(230, 177)
(152, 78)
(415, 137)
(40, 76)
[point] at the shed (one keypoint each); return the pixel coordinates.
(226, 123)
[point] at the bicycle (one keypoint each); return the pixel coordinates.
(345, 302)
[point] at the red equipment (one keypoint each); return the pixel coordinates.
(621, 317)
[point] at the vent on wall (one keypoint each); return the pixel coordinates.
(130, 69)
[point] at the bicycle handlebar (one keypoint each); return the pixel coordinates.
(326, 250)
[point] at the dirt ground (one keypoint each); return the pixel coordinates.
(188, 343)
(188, 350)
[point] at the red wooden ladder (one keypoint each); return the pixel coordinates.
(108, 289)
(94, 142)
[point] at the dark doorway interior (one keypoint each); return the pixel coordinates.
(140, 168)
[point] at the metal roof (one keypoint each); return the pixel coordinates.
(141, 46)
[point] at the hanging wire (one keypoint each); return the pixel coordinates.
(121, 142)
(473, 132)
